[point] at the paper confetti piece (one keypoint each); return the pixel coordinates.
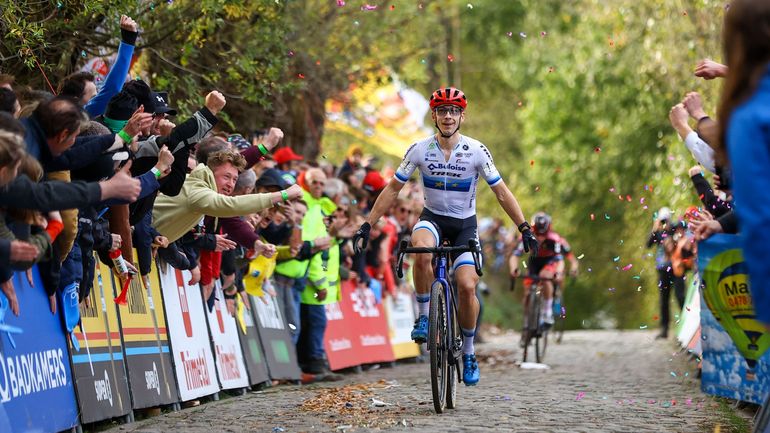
(580, 396)
(642, 326)
(580, 257)
(616, 259)
(627, 267)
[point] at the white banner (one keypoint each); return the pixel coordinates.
(227, 348)
(193, 360)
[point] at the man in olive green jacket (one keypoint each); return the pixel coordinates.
(206, 191)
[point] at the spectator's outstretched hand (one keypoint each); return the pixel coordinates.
(678, 118)
(215, 102)
(165, 159)
(709, 69)
(695, 170)
(294, 192)
(138, 122)
(224, 244)
(263, 249)
(10, 292)
(126, 23)
(274, 136)
(694, 106)
(23, 251)
(165, 127)
(121, 186)
(703, 225)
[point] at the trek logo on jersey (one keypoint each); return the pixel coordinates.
(440, 166)
(433, 146)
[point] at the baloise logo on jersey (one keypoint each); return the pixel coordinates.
(440, 166)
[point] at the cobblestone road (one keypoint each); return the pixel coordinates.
(598, 381)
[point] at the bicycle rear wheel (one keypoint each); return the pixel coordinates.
(437, 337)
(453, 367)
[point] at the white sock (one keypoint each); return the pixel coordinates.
(468, 335)
(547, 311)
(423, 304)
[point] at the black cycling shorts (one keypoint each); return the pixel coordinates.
(455, 230)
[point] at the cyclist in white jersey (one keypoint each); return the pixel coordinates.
(450, 165)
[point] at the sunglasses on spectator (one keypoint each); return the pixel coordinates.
(403, 209)
(448, 109)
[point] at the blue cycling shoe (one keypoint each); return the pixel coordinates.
(470, 369)
(420, 331)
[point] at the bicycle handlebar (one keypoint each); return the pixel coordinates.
(472, 247)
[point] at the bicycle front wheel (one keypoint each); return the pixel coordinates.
(437, 337)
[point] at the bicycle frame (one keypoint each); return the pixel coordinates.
(443, 335)
(451, 310)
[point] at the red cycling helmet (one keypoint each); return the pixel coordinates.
(448, 96)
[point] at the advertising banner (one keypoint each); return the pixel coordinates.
(36, 389)
(689, 318)
(338, 340)
(189, 335)
(400, 313)
(256, 365)
(227, 348)
(369, 322)
(734, 343)
(280, 353)
(98, 367)
(145, 343)
(368, 330)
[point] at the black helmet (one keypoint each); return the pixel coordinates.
(541, 222)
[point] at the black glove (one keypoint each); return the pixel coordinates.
(362, 234)
(528, 239)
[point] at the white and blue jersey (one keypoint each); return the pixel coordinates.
(450, 186)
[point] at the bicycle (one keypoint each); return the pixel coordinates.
(535, 330)
(444, 339)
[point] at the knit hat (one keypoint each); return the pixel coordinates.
(120, 108)
(143, 94)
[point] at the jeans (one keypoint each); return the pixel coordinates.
(311, 342)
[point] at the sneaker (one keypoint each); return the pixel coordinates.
(470, 369)
(420, 331)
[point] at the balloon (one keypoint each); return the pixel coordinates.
(728, 297)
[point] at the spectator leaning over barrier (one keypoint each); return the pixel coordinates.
(9, 102)
(744, 114)
(11, 154)
(207, 192)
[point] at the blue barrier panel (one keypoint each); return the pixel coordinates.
(36, 391)
(736, 361)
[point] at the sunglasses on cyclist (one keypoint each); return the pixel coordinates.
(448, 109)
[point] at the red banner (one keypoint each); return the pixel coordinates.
(357, 329)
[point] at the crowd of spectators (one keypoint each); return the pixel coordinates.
(732, 155)
(110, 172)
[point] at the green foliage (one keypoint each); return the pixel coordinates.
(595, 92)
